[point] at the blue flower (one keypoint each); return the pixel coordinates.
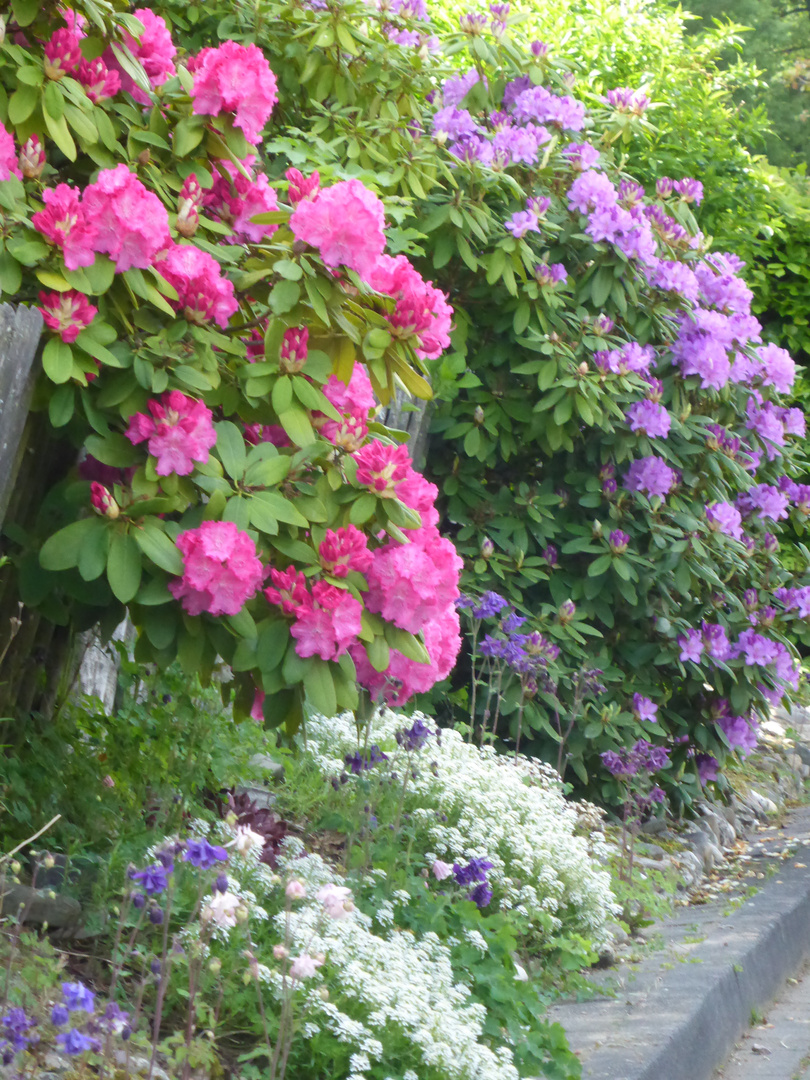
(59, 1015)
(77, 996)
(75, 1041)
(481, 894)
(204, 855)
(153, 879)
(475, 870)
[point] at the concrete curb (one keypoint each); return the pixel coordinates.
(678, 1014)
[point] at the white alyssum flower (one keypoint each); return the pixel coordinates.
(512, 813)
(395, 982)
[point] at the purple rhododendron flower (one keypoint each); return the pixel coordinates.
(725, 518)
(618, 542)
(644, 708)
(708, 768)
(649, 417)
(522, 222)
(650, 475)
(691, 644)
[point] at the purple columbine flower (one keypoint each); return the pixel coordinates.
(75, 1042)
(481, 895)
(152, 879)
(490, 605)
(512, 622)
(204, 855)
(59, 1015)
(475, 870)
(78, 997)
(414, 737)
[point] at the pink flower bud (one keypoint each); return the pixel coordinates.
(441, 870)
(32, 158)
(189, 202)
(104, 504)
(62, 54)
(108, 781)
(280, 952)
(487, 548)
(294, 349)
(301, 187)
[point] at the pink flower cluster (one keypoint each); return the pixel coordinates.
(343, 550)
(236, 198)
(236, 79)
(99, 81)
(221, 570)
(327, 618)
(345, 222)
(153, 49)
(203, 294)
(62, 54)
(383, 467)
(178, 433)
(67, 313)
(354, 401)
(65, 223)
(131, 224)
(8, 156)
(421, 310)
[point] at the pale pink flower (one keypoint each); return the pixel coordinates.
(441, 870)
(304, 967)
(65, 223)
(345, 223)
(189, 202)
(203, 293)
(132, 223)
(247, 840)
(295, 890)
(179, 432)
(222, 910)
(343, 550)
(221, 569)
(337, 901)
(99, 81)
(67, 313)
(235, 79)
(62, 54)
(280, 952)
(9, 166)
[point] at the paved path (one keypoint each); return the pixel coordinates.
(778, 1047)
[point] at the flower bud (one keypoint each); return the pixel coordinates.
(618, 542)
(294, 349)
(596, 529)
(295, 890)
(301, 187)
(144, 157)
(215, 966)
(566, 611)
(478, 416)
(48, 862)
(280, 952)
(32, 158)
(487, 548)
(16, 867)
(323, 993)
(102, 501)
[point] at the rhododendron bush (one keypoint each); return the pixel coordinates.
(217, 346)
(613, 444)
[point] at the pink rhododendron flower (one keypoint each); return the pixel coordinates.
(178, 433)
(301, 187)
(65, 223)
(132, 223)
(343, 550)
(32, 158)
(62, 54)
(294, 349)
(154, 49)
(9, 165)
(236, 79)
(354, 401)
(327, 622)
(221, 569)
(382, 467)
(235, 199)
(409, 584)
(420, 495)
(99, 81)
(288, 591)
(422, 311)
(272, 433)
(102, 501)
(203, 293)
(345, 223)
(67, 313)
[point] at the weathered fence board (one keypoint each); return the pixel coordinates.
(20, 330)
(413, 416)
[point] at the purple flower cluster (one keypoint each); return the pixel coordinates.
(725, 518)
(475, 874)
(631, 358)
(358, 763)
(627, 100)
(740, 731)
(555, 274)
(642, 757)
(489, 605)
(649, 417)
(652, 476)
(644, 708)
(414, 737)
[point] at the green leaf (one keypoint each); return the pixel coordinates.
(362, 509)
(100, 275)
(10, 274)
(284, 297)
(22, 103)
(296, 423)
(231, 448)
(58, 131)
(282, 394)
(94, 552)
(124, 567)
(188, 133)
(410, 646)
(379, 654)
(319, 688)
(159, 547)
(281, 508)
(57, 360)
(115, 450)
(61, 551)
(600, 565)
(601, 285)
(267, 473)
(60, 407)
